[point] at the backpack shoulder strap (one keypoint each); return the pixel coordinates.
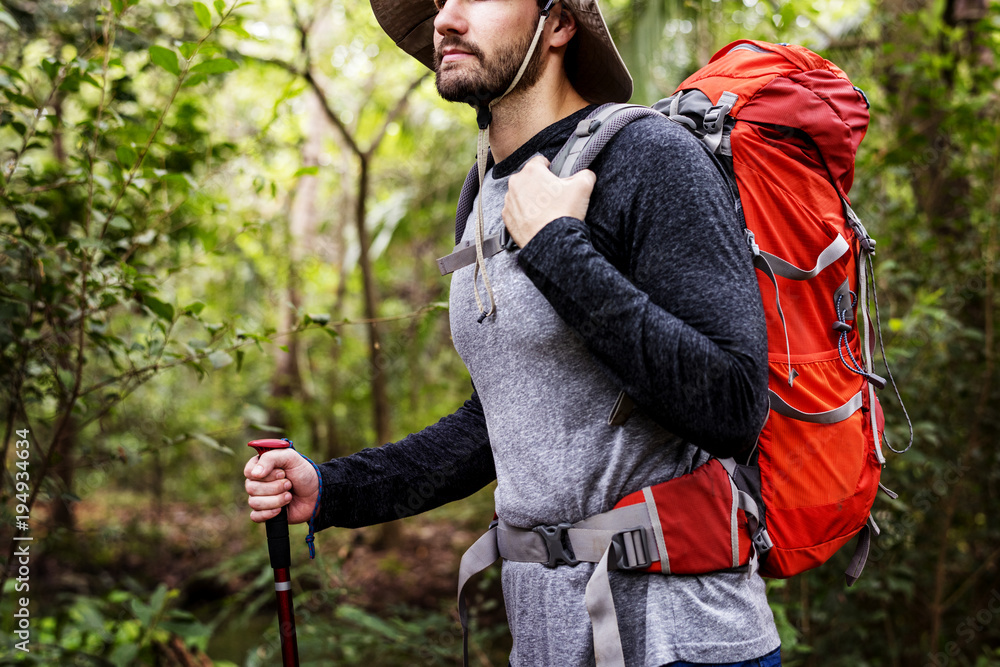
(467, 198)
(592, 135)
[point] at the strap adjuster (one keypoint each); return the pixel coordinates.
(557, 543)
(761, 540)
(629, 550)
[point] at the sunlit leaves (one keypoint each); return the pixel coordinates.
(165, 58)
(8, 21)
(161, 309)
(204, 16)
(214, 66)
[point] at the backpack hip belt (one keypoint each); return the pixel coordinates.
(642, 533)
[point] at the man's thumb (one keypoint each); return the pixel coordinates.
(584, 178)
(269, 461)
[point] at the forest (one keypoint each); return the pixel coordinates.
(219, 221)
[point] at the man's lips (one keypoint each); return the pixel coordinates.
(454, 55)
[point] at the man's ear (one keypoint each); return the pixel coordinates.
(565, 26)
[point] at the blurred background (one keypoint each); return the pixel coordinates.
(219, 222)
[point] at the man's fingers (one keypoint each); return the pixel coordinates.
(269, 502)
(260, 516)
(585, 177)
(267, 488)
(269, 466)
(538, 160)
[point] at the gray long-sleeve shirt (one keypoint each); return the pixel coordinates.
(654, 294)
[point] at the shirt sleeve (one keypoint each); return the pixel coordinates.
(659, 284)
(447, 461)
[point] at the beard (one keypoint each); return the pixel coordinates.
(491, 76)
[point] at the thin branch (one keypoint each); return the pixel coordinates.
(960, 591)
(330, 114)
(396, 111)
(124, 377)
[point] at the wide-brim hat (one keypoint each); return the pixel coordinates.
(596, 71)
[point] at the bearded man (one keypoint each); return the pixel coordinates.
(631, 278)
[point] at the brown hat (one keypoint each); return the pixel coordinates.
(597, 70)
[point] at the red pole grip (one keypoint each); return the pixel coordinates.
(280, 553)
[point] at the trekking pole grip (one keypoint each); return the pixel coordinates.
(279, 552)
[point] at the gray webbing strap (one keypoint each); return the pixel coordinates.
(829, 417)
(608, 650)
(860, 556)
(830, 254)
(465, 254)
(479, 556)
(592, 135)
(746, 502)
(761, 263)
(590, 541)
(714, 126)
(867, 344)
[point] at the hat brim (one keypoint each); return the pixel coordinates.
(597, 70)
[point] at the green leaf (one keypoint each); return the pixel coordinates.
(194, 309)
(32, 210)
(306, 171)
(165, 58)
(188, 49)
(124, 654)
(23, 100)
(220, 359)
(265, 427)
(211, 443)
(118, 6)
(220, 6)
(238, 29)
(159, 308)
(193, 81)
(126, 156)
(8, 20)
(204, 16)
(51, 68)
(215, 66)
(118, 222)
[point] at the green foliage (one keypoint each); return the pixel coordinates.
(121, 629)
(155, 161)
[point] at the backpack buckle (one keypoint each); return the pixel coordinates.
(761, 540)
(629, 550)
(556, 542)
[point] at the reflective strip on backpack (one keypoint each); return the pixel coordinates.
(830, 254)
(661, 544)
(834, 416)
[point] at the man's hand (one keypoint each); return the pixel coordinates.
(536, 197)
(278, 478)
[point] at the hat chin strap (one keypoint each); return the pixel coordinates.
(484, 117)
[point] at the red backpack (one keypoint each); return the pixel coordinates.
(785, 125)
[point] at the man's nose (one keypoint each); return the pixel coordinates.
(450, 19)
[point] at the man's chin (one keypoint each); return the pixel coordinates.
(453, 89)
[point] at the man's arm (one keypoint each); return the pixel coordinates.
(676, 319)
(449, 460)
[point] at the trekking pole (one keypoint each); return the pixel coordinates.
(280, 554)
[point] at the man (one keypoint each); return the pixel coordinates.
(631, 277)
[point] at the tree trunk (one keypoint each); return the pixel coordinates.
(286, 384)
(389, 536)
